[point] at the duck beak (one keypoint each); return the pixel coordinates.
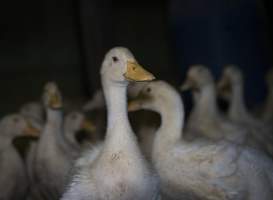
(31, 131)
(134, 105)
(88, 125)
(135, 72)
(188, 84)
(55, 101)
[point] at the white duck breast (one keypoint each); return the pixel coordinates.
(116, 170)
(13, 178)
(211, 123)
(231, 87)
(201, 169)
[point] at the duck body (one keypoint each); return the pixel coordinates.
(259, 133)
(52, 163)
(202, 168)
(215, 171)
(206, 120)
(53, 158)
(13, 178)
(116, 170)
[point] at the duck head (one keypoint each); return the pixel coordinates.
(154, 96)
(198, 76)
(33, 110)
(120, 66)
(78, 127)
(52, 96)
(16, 125)
(231, 78)
(76, 121)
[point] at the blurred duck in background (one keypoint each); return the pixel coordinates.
(206, 119)
(201, 168)
(13, 177)
(231, 88)
(56, 149)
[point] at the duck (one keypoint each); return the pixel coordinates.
(13, 177)
(55, 152)
(200, 168)
(211, 122)
(115, 169)
(230, 87)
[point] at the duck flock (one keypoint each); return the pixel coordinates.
(138, 145)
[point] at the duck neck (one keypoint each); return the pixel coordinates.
(54, 124)
(206, 103)
(70, 137)
(117, 118)
(237, 110)
(172, 120)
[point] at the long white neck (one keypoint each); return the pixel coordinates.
(206, 105)
(54, 124)
(118, 127)
(172, 121)
(237, 109)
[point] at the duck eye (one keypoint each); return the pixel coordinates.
(115, 59)
(148, 90)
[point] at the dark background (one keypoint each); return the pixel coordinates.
(65, 40)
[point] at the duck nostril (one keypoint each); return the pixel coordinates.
(134, 68)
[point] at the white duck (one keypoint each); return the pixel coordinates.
(230, 87)
(13, 178)
(201, 169)
(54, 154)
(211, 123)
(116, 169)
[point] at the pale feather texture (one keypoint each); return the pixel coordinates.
(260, 134)
(202, 169)
(13, 178)
(56, 150)
(205, 118)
